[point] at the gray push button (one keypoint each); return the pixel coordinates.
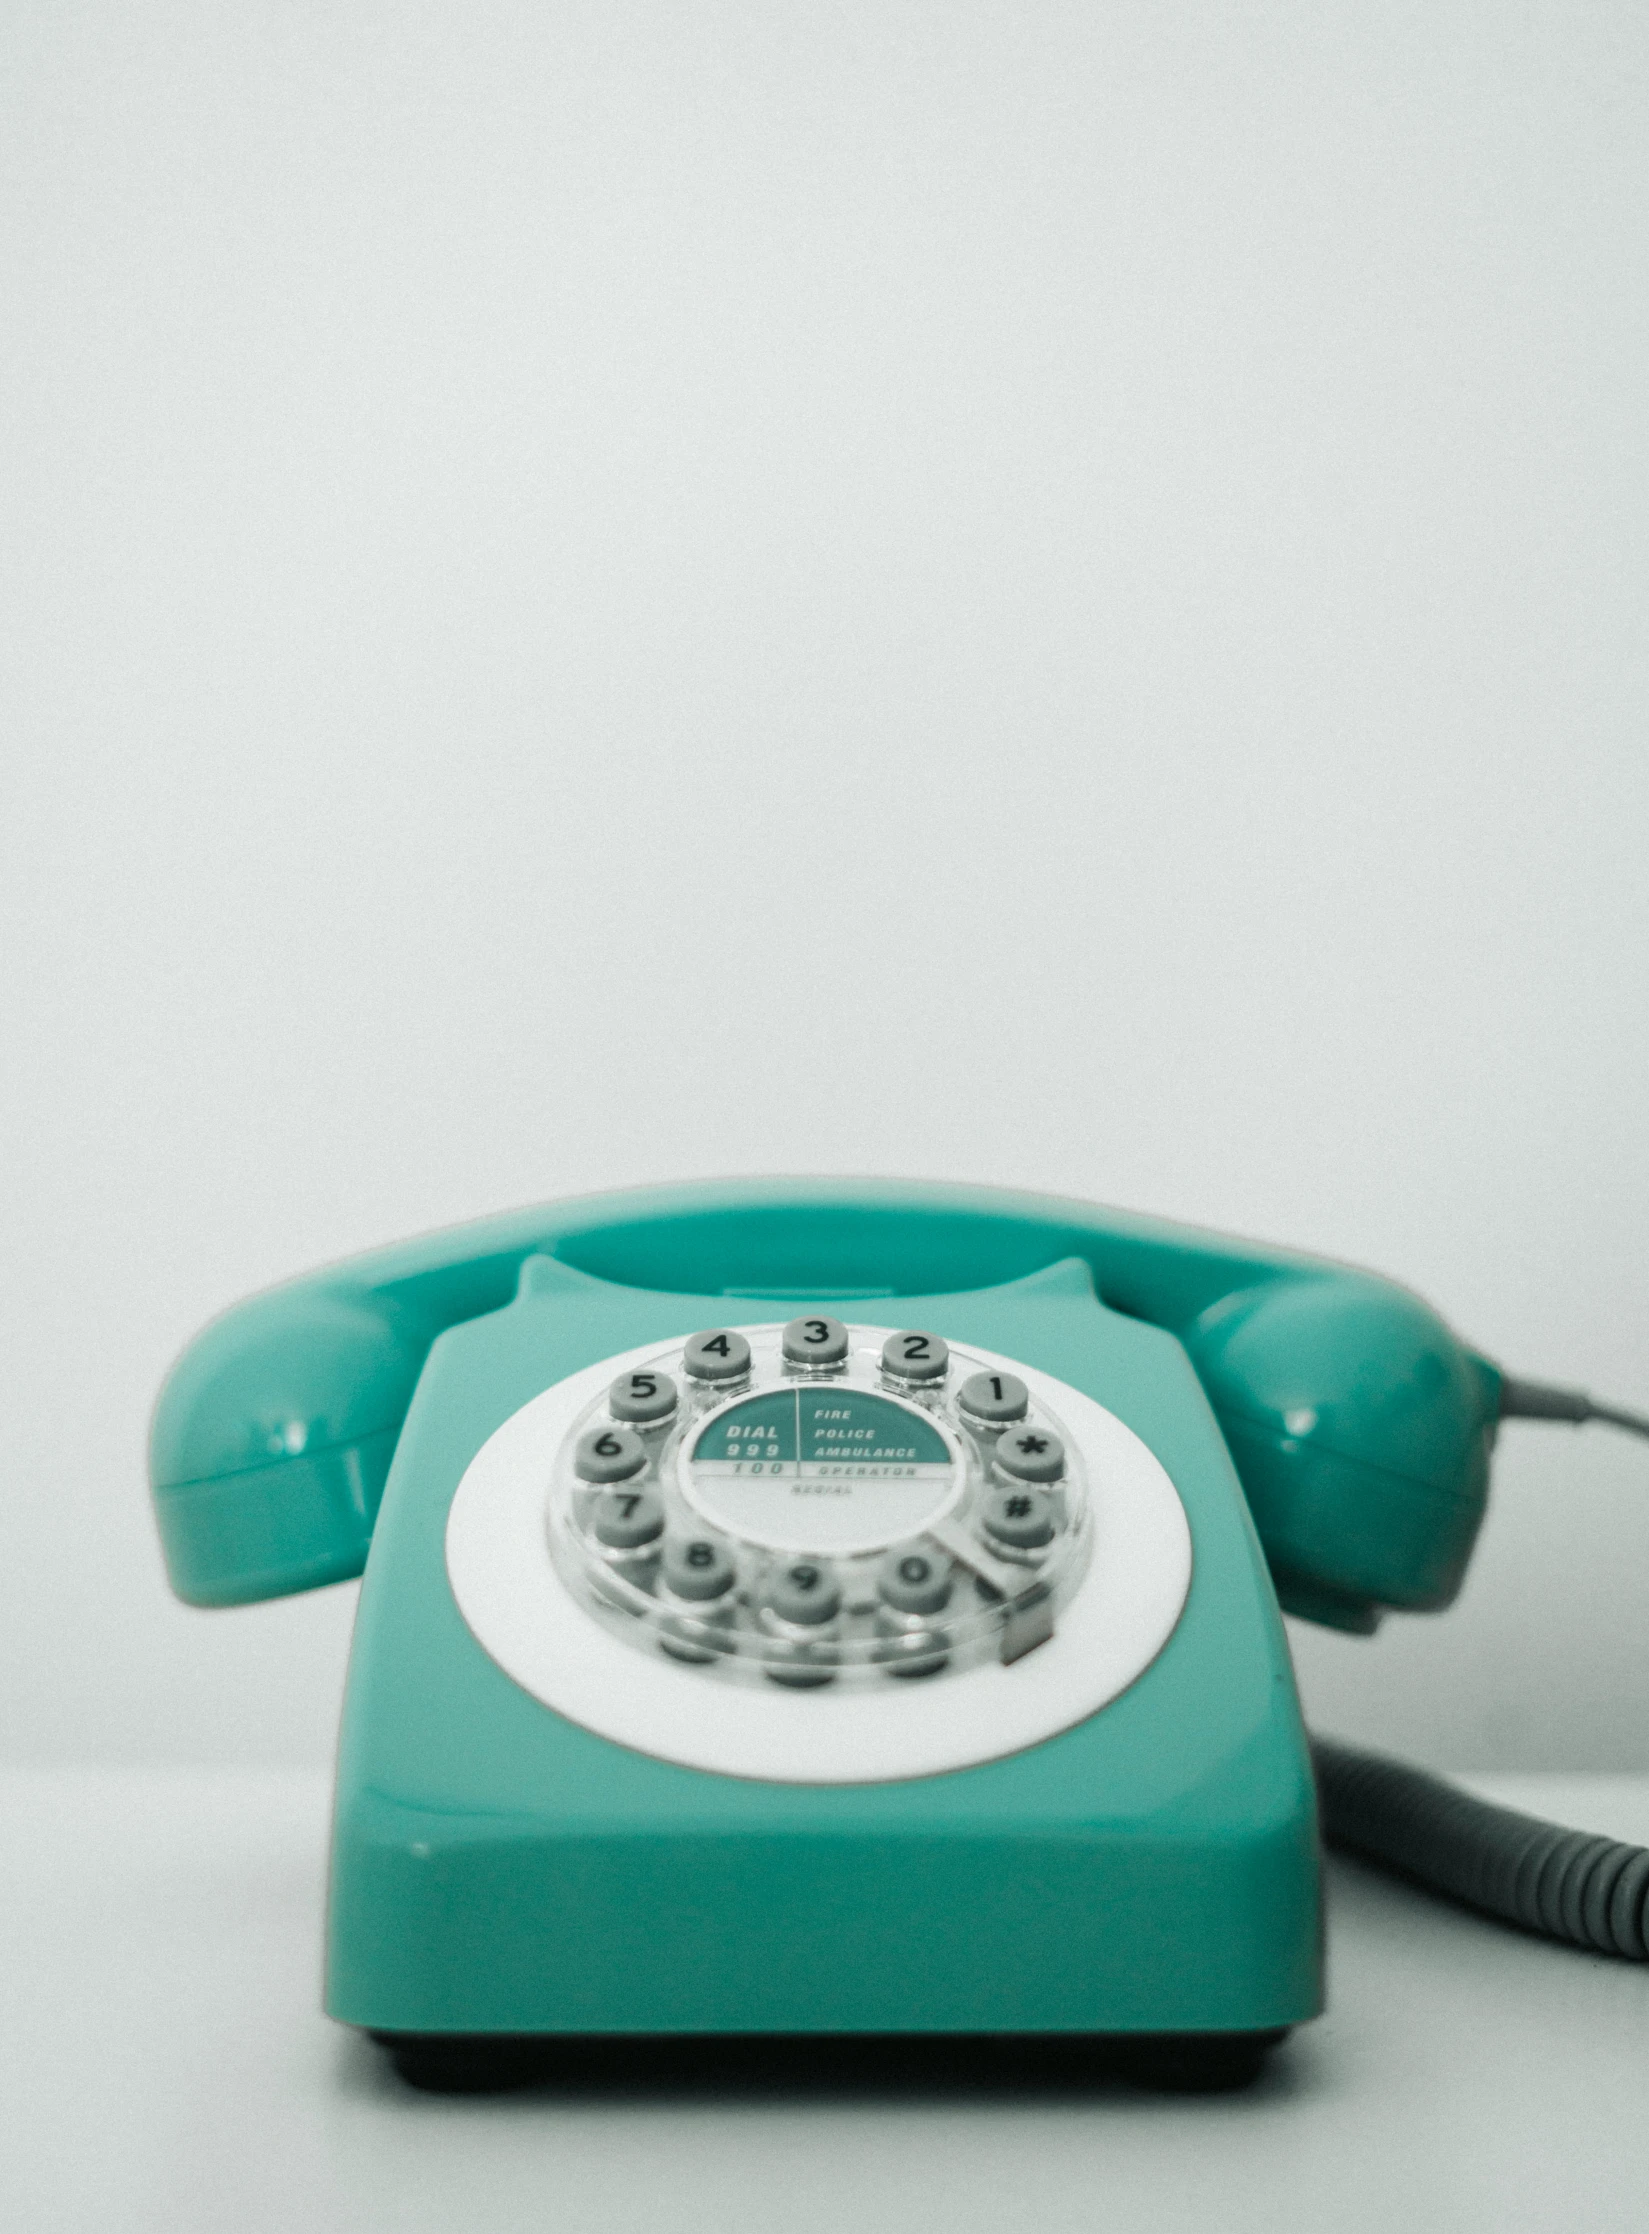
(904, 1651)
(912, 1579)
(815, 1341)
(717, 1355)
(645, 1396)
(805, 1592)
(1031, 1454)
(1019, 1517)
(994, 1398)
(609, 1454)
(697, 1567)
(916, 1357)
(627, 1518)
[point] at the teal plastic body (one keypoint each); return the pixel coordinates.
(498, 1869)
(1360, 1426)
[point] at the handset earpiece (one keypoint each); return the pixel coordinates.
(1361, 1429)
(273, 1437)
(274, 1432)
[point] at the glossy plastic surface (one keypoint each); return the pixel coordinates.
(1359, 1424)
(497, 1868)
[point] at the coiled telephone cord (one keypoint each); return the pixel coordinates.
(1570, 1885)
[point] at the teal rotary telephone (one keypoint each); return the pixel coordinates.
(828, 1608)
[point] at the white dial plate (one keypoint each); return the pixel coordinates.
(526, 1618)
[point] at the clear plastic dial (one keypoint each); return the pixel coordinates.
(821, 1513)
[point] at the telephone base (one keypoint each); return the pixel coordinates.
(522, 1855)
(778, 2063)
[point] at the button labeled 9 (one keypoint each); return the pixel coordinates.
(805, 1592)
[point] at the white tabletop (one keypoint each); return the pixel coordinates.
(166, 2067)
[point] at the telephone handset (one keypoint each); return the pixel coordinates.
(764, 1574)
(1359, 1425)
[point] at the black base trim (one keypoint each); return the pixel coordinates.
(720, 2063)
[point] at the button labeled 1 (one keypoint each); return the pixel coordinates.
(994, 1398)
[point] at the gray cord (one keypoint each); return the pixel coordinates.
(1592, 1892)
(1539, 1400)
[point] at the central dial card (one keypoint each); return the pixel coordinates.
(821, 1468)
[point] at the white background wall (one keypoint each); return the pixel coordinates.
(1040, 593)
